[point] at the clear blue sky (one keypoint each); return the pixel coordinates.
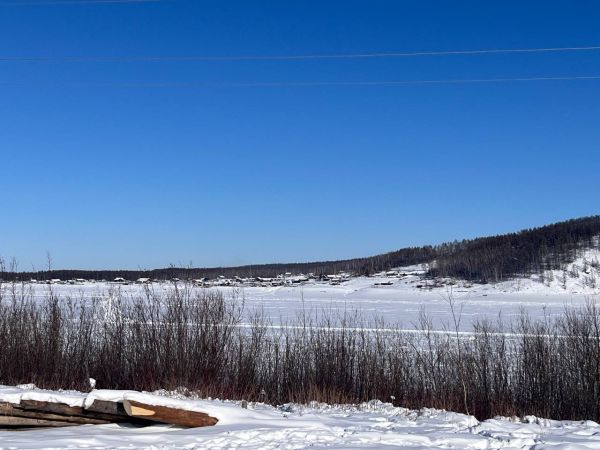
(103, 168)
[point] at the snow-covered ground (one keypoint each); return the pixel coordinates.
(374, 425)
(401, 302)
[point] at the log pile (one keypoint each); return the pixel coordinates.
(165, 414)
(29, 413)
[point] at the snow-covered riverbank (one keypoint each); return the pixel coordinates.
(373, 425)
(400, 302)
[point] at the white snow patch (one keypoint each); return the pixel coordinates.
(14, 395)
(373, 425)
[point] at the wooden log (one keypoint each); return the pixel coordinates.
(107, 407)
(8, 410)
(26, 422)
(93, 413)
(168, 415)
(117, 410)
(63, 409)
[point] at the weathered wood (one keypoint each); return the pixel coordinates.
(7, 410)
(107, 407)
(26, 422)
(51, 407)
(116, 410)
(168, 415)
(97, 414)
(70, 411)
(34, 413)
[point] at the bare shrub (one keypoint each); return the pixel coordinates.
(184, 337)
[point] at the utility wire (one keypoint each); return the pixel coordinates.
(360, 83)
(184, 58)
(72, 2)
(211, 84)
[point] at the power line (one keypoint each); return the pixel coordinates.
(184, 58)
(361, 83)
(211, 84)
(72, 2)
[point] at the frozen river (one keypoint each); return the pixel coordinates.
(399, 304)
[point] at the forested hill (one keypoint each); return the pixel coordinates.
(497, 258)
(487, 259)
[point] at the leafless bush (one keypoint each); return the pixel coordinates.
(196, 339)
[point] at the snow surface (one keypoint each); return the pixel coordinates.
(373, 425)
(9, 394)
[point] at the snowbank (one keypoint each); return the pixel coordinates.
(373, 425)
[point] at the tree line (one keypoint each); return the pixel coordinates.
(487, 259)
(498, 258)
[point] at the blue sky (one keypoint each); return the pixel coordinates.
(128, 164)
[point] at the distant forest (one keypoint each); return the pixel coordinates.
(487, 259)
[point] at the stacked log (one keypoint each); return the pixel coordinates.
(166, 414)
(35, 413)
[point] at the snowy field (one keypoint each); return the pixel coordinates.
(373, 425)
(400, 303)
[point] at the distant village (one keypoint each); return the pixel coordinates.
(286, 279)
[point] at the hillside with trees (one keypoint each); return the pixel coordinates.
(486, 259)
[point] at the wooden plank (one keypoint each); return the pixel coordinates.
(107, 407)
(65, 410)
(116, 409)
(111, 412)
(8, 410)
(19, 422)
(168, 415)
(51, 407)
